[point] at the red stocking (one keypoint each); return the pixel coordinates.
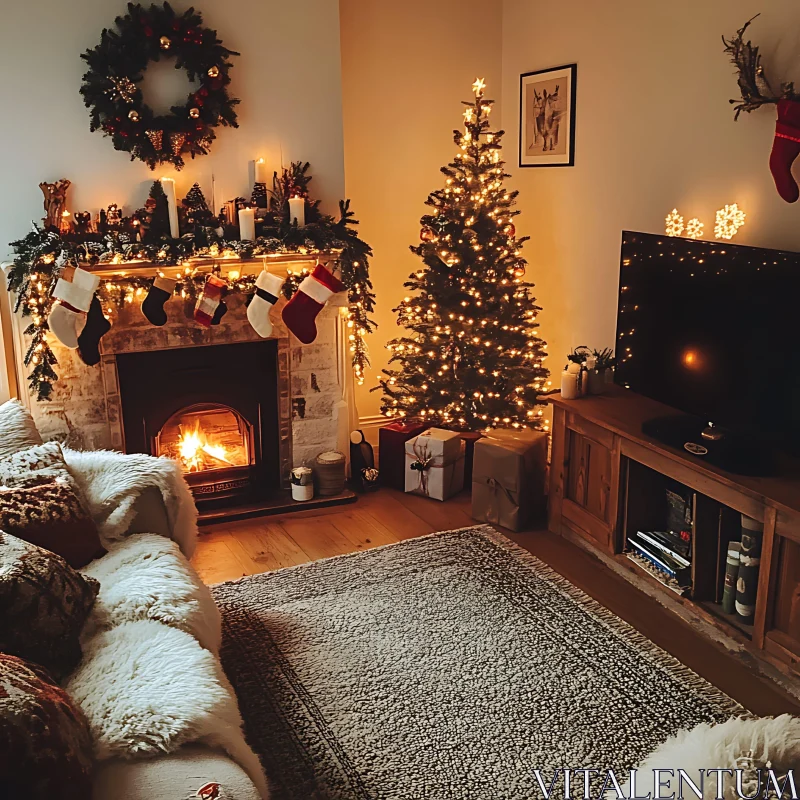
(785, 148)
(309, 299)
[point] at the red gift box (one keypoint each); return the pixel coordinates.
(392, 439)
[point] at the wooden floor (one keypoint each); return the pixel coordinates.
(230, 550)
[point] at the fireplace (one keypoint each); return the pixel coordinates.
(214, 409)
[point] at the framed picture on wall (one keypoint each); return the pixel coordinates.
(547, 117)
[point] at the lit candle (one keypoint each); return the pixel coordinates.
(168, 185)
(297, 211)
(261, 171)
(247, 224)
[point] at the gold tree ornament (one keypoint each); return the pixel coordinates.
(165, 42)
(176, 142)
(134, 115)
(213, 72)
(478, 87)
(156, 138)
(728, 221)
(673, 224)
(194, 112)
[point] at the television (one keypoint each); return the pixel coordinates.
(711, 329)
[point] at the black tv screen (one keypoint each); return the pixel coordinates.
(711, 329)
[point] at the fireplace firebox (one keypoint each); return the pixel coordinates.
(214, 409)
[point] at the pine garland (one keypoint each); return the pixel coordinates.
(42, 254)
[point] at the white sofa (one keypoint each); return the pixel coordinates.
(147, 585)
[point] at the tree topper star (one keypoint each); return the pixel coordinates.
(478, 86)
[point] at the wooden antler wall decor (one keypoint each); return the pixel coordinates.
(757, 91)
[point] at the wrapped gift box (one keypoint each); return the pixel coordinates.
(508, 477)
(435, 464)
(392, 439)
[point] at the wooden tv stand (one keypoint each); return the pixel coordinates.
(607, 479)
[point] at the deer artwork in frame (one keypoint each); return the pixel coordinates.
(547, 117)
(55, 202)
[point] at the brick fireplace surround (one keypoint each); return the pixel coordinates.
(315, 382)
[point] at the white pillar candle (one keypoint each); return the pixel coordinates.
(297, 210)
(247, 224)
(261, 171)
(570, 389)
(168, 185)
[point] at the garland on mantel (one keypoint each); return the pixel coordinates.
(42, 255)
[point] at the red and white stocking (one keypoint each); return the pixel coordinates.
(309, 299)
(210, 308)
(73, 298)
(785, 149)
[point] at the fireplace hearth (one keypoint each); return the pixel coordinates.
(214, 409)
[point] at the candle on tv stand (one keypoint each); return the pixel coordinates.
(261, 172)
(297, 211)
(247, 224)
(168, 185)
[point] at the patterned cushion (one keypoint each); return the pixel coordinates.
(44, 604)
(42, 463)
(17, 428)
(45, 745)
(51, 516)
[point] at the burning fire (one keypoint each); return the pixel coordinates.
(197, 452)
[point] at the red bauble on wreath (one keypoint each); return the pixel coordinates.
(111, 85)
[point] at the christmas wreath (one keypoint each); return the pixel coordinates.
(111, 92)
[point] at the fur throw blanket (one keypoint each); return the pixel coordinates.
(727, 746)
(147, 689)
(112, 483)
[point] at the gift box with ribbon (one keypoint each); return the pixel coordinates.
(508, 477)
(392, 439)
(435, 464)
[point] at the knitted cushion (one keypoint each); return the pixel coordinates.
(51, 516)
(44, 604)
(17, 428)
(41, 463)
(45, 745)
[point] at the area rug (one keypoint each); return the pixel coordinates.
(450, 666)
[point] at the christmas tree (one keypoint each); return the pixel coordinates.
(473, 358)
(196, 209)
(158, 209)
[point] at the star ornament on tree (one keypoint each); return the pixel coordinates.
(478, 87)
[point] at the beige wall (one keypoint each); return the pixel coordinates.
(288, 78)
(405, 68)
(654, 131)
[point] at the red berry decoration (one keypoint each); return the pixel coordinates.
(510, 230)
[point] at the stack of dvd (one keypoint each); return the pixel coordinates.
(666, 551)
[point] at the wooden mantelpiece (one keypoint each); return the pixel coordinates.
(604, 472)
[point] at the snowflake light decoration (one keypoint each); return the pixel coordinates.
(728, 221)
(673, 224)
(694, 228)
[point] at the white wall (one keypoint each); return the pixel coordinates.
(406, 67)
(288, 78)
(654, 131)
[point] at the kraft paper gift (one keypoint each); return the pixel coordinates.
(508, 477)
(435, 464)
